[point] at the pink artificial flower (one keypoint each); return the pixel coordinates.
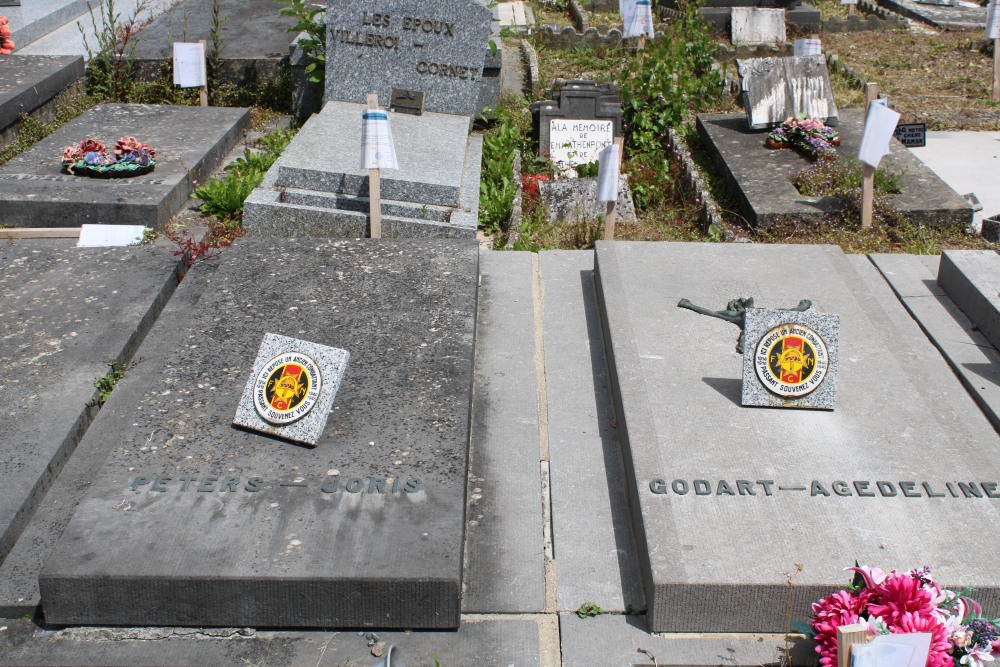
(841, 608)
(809, 124)
(909, 622)
(873, 576)
(900, 595)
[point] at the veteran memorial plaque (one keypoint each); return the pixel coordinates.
(437, 48)
(291, 389)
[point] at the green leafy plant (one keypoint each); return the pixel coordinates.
(107, 382)
(310, 19)
(111, 69)
(589, 609)
(214, 57)
(587, 170)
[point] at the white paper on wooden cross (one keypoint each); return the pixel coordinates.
(607, 174)
(637, 18)
(993, 20)
(807, 47)
(189, 65)
(377, 148)
(879, 127)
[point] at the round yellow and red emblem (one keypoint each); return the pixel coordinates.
(791, 360)
(286, 388)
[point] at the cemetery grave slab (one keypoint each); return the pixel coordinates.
(313, 190)
(365, 530)
(972, 280)
(28, 82)
(65, 313)
(255, 38)
(760, 177)
(973, 358)
(190, 142)
(955, 17)
(440, 49)
(36, 18)
(729, 502)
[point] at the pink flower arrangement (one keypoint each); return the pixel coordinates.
(6, 45)
(809, 135)
(73, 154)
(127, 145)
(905, 602)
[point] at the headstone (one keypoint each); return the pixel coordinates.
(438, 48)
(790, 359)
(731, 503)
(574, 127)
(291, 389)
(775, 89)
(190, 143)
(194, 522)
(757, 25)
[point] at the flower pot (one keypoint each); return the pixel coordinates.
(773, 143)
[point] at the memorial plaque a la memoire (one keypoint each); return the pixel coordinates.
(790, 359)
(291, 389)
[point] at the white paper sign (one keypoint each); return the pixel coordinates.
(903, 650)
(993, 20)
(105, 236)
(807, 47)
(848, 2)
(189, 65)
(637, 18)
(377, 148)
(879, 127)
(574, 142)
(607, 174)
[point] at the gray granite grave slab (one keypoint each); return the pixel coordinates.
(956, 17)
(437, 47)
(65, 313)
(757, 25)
(365, 530)
(820, 331)
(972, 280)
(729, 503)
(759, 178)
(190, 143)
(970, 354)
(625, 641)
(37, 18)
(775, 89)
(592, 537)
(28, 82)
(478, 641)
(504, 546)
(19, 569)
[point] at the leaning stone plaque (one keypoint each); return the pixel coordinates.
(790, 359)
(438, 48)
(291, 389)
(776, 88)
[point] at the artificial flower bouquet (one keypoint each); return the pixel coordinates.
(904, 602)
(130, 157)
(811, 136)
(6, 45)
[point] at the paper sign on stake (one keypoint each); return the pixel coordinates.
(993, 20)
(607, 174)
(189, 65)
(902, 650)
(106, 236)
(377, 148)
(637, 18)
(807, 47)
(848, 2)
(879, 127)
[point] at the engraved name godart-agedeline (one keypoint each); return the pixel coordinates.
(377, 33)
(840, 488)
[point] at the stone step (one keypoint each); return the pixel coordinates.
(731, 504)
(364, 530)
(972, 280)
(359, 204)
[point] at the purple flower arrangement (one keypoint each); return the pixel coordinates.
(130, 157)
(809, 135)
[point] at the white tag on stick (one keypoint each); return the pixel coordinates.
(993, 20)
(879, 127)
(189, 65)
(377, 148)
(607, 174)
(637, 18)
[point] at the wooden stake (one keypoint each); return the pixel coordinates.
(40, 233)
(612, 210)
(203, 91)
(846, 636)
(868, 172)
(374, 186)
(996, 68)
(850, 10)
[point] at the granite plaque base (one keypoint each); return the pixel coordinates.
(190, 142)
(729, 504)
(194, 522)
(759, 177)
